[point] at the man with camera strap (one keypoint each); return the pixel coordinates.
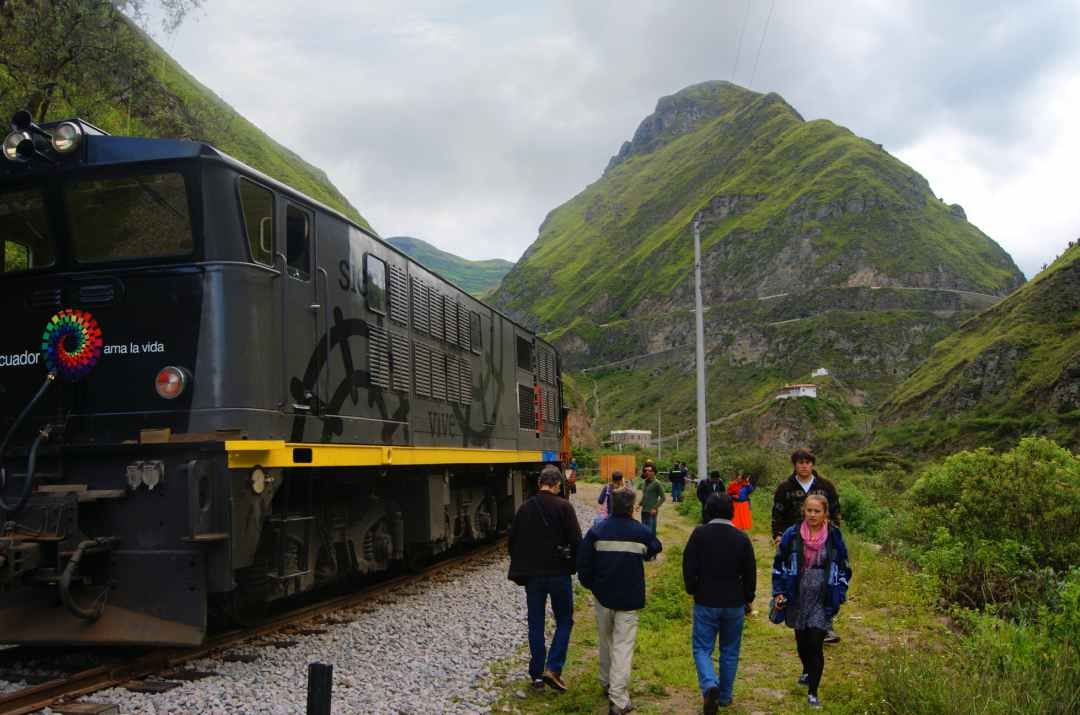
(544, 539)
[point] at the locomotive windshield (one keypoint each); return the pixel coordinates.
(24, 230)
(128, 217)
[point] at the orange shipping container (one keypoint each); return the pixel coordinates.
(625, 463)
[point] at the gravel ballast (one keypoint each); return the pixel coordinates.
(422, 648)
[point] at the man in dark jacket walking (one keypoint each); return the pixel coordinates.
(610, 564)
(713, 485)
(720, 572)
(544, 540)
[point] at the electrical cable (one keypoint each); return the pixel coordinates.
(738, 47)
(764, 31)
(24, 495)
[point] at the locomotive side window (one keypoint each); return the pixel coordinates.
(524, 354)
(24, 231)
(136, 216)
(375, 284)
(298, 242)
(257, 206)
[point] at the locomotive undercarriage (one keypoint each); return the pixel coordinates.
(135, 545)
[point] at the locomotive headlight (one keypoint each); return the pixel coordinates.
(171, 382)
(66, 138)
(11, 145)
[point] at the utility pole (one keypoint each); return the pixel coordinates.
(659, 437)
(699, 319)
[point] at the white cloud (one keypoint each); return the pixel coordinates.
(467, 122)
(1026, 191)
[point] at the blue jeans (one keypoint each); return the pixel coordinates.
(677, 490)
(710, 625)
(648, 521)
(537, 591)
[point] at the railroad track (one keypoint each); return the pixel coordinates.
(101, 677)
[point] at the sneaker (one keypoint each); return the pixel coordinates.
(614, 709)
(552, 678)
(813, 701)
(831, 637)
(804, 679)
(712, 701)
(538, 683)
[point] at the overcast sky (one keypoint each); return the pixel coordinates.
(464, 123)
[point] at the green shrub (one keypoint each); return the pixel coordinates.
(996, 529)
(860, 512)
(996, 668)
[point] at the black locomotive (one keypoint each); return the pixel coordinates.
(216, 392)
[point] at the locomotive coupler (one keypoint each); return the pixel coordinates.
(97, 606)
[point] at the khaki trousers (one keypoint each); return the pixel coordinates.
(616, 632)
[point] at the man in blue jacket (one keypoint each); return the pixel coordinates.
(611, 565)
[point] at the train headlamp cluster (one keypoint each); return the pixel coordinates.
(14, 148)
(66, 137)
(19, 145)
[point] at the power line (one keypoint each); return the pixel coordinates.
(760, 44)
(738, 47)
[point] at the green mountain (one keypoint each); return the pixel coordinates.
(784, 204)
(86, 59)
(819, 249)
(475, 277)
(1012, 369)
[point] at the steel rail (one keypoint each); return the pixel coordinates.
(37, 697)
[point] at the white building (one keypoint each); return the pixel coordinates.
(640, 437)
(820, 372)
(807, 390)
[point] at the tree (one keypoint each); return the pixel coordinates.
(77, 55)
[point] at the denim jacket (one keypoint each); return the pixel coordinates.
(787, 568)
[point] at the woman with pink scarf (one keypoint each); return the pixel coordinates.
(809, 582)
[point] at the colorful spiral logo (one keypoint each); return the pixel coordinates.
(71, 344)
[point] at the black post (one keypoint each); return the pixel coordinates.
(319, 686)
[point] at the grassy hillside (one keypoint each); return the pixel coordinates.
(1014, 368)
(476, 277)
(785, 205)
(126, 84)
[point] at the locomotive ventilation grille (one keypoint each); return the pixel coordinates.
(378, 357)
(83, 295)
(526, 414)
(399, 295)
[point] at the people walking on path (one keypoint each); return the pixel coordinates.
(739, 490)
(713, 485)
(603, 509)
(571, 477)
(677, 476)
(652, 496)
(788, 501)
(810, 579)
(544, 540)
(720, 572)
(610, 565)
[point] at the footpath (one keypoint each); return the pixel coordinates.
(884, 611)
